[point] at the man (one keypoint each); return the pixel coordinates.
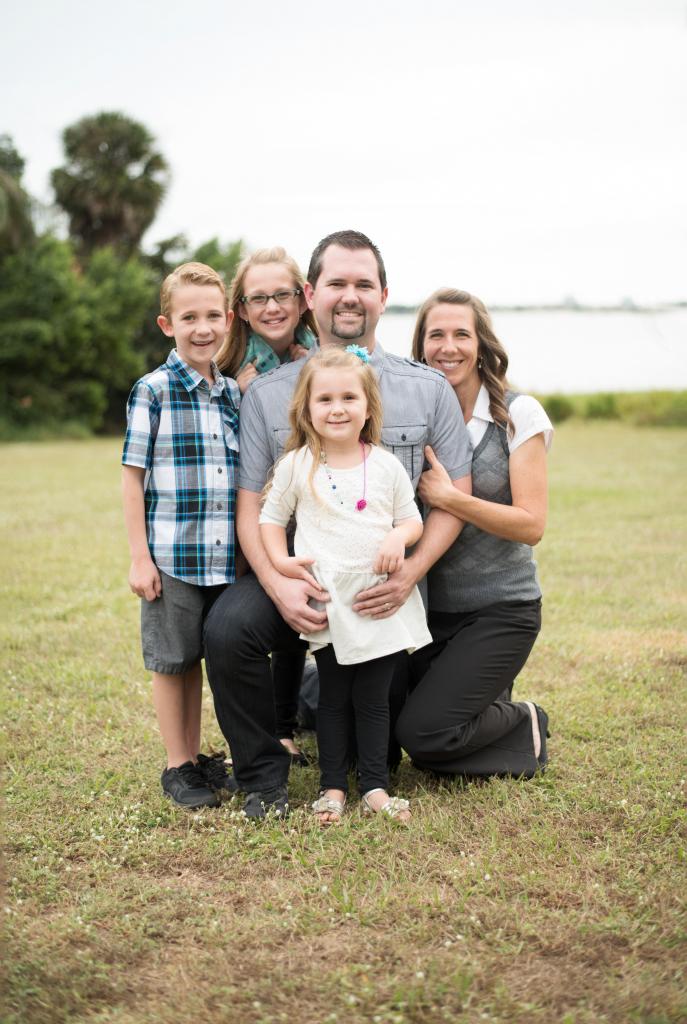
(264, 611)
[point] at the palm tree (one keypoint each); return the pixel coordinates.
(112, 183)
(16, 225)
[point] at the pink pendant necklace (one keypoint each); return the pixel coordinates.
(361, 503)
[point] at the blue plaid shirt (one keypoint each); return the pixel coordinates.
(184, 433)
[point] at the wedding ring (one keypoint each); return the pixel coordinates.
(387, 606)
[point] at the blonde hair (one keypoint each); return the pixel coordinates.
(303, 434)
(233, 350)
(188, 273)
(492, 361)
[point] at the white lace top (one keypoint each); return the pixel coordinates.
(329, 527)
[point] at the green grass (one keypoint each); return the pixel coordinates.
(558, 900)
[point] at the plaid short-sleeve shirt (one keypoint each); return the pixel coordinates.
(184, 433)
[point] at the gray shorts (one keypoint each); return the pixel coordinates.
(172, 625)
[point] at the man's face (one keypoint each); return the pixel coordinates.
(348, 298)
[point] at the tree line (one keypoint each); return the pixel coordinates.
(77, 314)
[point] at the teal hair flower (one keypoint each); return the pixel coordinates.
(360, 352)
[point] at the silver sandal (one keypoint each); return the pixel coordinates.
(393, 808)
(327, 805)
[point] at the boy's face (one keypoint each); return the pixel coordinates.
(198, 323)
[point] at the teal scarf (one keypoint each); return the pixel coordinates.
(264, 356)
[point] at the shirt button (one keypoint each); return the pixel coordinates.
(219, 469)
(218, 542)
(214, 437)
(403, 437)
(219, 508)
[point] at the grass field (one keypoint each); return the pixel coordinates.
(558, 900)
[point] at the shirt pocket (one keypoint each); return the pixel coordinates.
(407, 442)
(280, 436)
(230, 427)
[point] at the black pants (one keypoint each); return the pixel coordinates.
(287, 673)
(353, 696)
(454, 720)
(241, 630)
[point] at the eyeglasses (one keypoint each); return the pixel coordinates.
(280, 297)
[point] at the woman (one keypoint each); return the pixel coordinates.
(272, 325)
(484, 597)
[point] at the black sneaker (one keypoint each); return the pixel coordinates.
(259, 804)
(214, 770)
(187, 787)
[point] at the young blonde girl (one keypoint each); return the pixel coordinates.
(355, 515)
(271, 325)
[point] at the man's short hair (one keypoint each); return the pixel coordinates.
(347, 240)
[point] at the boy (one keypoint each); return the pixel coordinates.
(180, 466)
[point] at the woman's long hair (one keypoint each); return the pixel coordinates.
(231, 354)
(492, 359)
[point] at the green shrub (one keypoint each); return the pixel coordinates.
(602, 407)
(658, 409)
(558, 408)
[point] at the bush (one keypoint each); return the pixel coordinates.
(558, 408)
(657, 409)
(602, 407)
(67, 337)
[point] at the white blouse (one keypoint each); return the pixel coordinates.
(528, 416)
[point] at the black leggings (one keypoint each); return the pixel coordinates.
(455, 720)
(353, 697)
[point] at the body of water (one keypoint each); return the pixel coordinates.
(579, 352)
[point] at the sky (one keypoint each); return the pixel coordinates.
(526, 152)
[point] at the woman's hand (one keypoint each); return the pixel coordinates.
(296, 351)
(247, 374)
(436, 486)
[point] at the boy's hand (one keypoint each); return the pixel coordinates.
(296, 351)
(391, 554)
(246, 375)
(144, 579)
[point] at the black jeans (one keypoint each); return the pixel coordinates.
(455, 720)
(353, 696)
(287, 673)
(241, 630)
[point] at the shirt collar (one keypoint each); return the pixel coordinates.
(189, 377)
(482, 410)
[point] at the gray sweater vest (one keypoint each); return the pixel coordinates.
(480, 569)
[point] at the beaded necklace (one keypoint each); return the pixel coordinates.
(360, 503)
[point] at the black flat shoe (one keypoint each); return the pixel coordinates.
(267, 801)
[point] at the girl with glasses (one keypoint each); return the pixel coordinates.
(272, 324)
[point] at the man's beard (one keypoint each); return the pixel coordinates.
(350, 332)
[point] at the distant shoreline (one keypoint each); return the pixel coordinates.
(563, 307)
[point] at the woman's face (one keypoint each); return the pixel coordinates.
(276, 322)
(451, 344)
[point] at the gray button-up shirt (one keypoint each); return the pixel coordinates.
(420, 408)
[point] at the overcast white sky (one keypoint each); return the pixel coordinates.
(523, 150)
